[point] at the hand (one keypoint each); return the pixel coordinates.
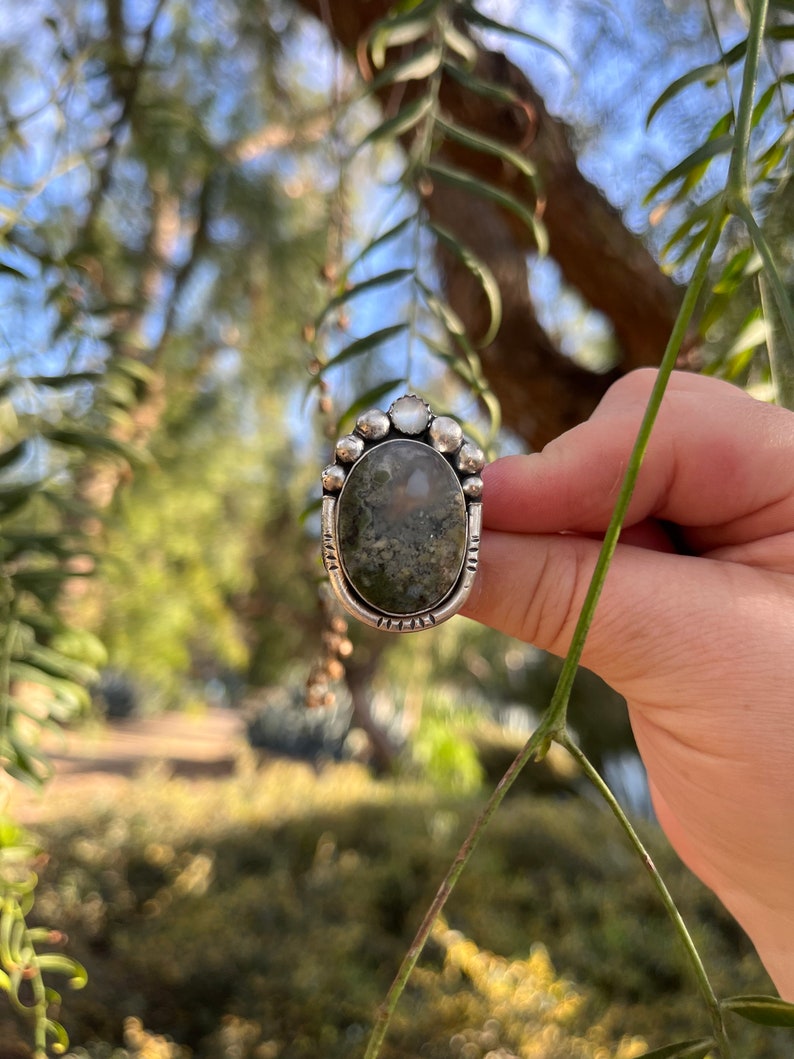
(700, 644)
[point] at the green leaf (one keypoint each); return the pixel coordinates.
(26, 764)
(57, 963)
(477, 18)
(466, 366)
(13, 271)
(17, 543)
(772, 157)
(58, 665)
(100, 444)
(400, 29)
(459, 178)
(69, 378)
(695, 1049)
(709, 74)
(384, 279)
(119, 389)
(765, 1010)
(10, 924)
(136, 369)
(478, 142)
(459, 365)
(312, 507)
(403, 121)
(72, 695)
(763, 103)
(482, 274)
(753, 333)
(60, 1038)
(460, 44)
(744, 264)
(444, 313)
(690, 246)
(487, 89)
(364, 345)
(382, 239)
(14, 454)
(699, 158)
(53, 997)
(37, 935)
(701, 214)
(44, 584)
(734, 367)
(747, 262)
(422, 64)
(12, 498)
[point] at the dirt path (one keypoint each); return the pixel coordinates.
(109, 757)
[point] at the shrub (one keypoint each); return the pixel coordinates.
(263, 917)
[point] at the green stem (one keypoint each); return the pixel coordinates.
(413, 176)
(709, 996)
(386, 1010)
(6, 653)
(715, 32)
(737, 174)
(553, 723)
(554, 719)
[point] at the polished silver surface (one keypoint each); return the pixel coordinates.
(333, 478)
(471, 458)
(349, 448)
(373, 425)
(472, 487)
(402, 517)
(445, 434)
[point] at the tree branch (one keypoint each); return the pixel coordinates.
(542, 392)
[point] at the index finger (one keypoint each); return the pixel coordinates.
(719, 463)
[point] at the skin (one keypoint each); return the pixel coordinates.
(698, 635)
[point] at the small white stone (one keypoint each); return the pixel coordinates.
(373, 424)
(471, 458)
(349, 448)
(445, 434)
(472, 487)
(333, 478)
(410, 414)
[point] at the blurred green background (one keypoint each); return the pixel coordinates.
(180, 198)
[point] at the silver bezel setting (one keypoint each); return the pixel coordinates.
(404, 421)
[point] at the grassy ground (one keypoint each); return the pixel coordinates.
(261, 915)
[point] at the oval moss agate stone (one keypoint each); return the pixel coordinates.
(401, 527)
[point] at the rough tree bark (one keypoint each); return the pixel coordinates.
(542, 392)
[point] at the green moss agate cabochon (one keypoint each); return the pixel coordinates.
(401, 527)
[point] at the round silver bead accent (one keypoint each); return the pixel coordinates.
(410, 414)
(349, 448)
(445, 434)
(471, 458)
(472, 487)
(333, 478)
(373, 424)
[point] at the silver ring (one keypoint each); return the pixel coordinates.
(402, 517)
